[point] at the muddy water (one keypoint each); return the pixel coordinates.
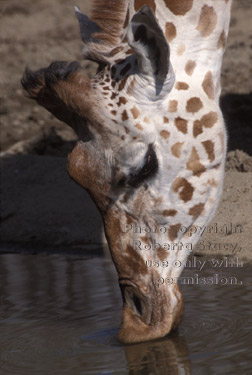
(61, 314)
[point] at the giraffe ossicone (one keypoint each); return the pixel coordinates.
(152, 140)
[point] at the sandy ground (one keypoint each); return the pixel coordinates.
(40, 205)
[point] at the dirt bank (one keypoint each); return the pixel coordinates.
(40, 204)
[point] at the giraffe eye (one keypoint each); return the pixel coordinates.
(148, 170)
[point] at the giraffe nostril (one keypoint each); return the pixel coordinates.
(133, 299)
(136, 300)
(137, 303)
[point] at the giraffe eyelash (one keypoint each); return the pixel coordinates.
(148, 170)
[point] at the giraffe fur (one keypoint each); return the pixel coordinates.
(152, 142)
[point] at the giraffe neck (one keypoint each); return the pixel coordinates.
(196, 31)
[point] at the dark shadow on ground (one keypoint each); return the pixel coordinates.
(41, 206)
(237, 111)
(53, 144)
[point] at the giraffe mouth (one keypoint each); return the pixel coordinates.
(136, 300)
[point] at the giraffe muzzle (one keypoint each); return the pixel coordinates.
(148, 313)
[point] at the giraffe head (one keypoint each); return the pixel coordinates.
(124, 160)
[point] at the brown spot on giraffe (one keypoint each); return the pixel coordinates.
(182, 86)
(194, 163)
(181, 49)
(119, 61)
(170, 31)
(146, 120)
(122, 100)
(173, 106)
(161, 253)
(207, 21)
(212, 182)
(145, 239)
(196, 210)
(179, 8)
(197, 128)
(190, 66)
(114, 112)
(222, 40)
(124, 39)
(139, 203)
(184, 188)
(208, 120)
(140, 3)
(122, 83)
(129, 51)
(165, 134)
(116, 50)
(193, 105)
(208, 85)
(209, 147)
(135, 262)
(135, 112)
(176, 149)
(181, 124)
(113, 96)
(131, 86)
(139, 126)
(173, 231)
(170, 212)
(125, 115)
(166, 120)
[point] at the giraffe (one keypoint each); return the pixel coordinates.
(152, 140)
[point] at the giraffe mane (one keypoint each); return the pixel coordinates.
(109, 16)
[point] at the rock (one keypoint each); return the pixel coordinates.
(238, 161)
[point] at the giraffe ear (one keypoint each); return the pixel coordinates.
(147, 40)
(101, 34)
(87, 26)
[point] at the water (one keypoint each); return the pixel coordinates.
(60, 314)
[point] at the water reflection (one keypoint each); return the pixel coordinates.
(168, 356)
(61, 315)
